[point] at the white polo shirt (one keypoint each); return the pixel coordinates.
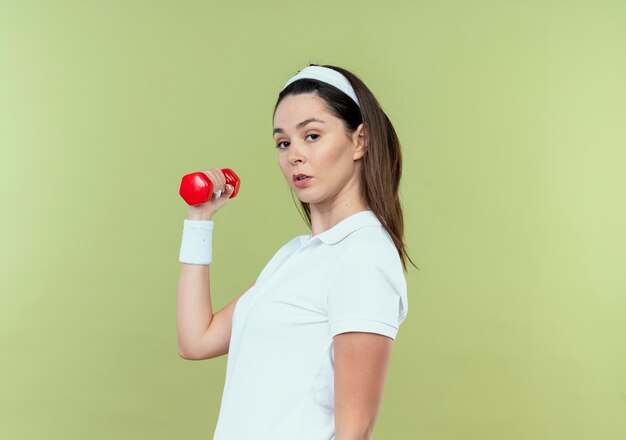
(280, 371)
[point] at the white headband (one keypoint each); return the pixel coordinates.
(327, 75)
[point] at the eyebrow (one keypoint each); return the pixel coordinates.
(298, 126)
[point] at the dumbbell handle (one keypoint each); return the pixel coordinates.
(196, 188)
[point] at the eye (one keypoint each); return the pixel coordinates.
(314, 134)
(279, 145)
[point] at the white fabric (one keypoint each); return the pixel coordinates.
(196, 246)
(327, 75)
(280, 371)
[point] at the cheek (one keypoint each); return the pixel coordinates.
(283, 165)
(337, 157)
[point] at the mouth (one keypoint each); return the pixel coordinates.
(300, 180)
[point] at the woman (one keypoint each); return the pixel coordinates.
(309, 342)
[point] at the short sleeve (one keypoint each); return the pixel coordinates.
(367, 292)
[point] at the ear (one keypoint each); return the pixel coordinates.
(359, 138)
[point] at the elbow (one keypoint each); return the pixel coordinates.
(185, 354)
(193, 356)
(182, 355)
(188, 357)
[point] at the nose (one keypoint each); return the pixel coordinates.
(295, 155)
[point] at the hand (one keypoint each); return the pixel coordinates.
(206, 210)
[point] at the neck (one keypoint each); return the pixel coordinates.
(326, 215)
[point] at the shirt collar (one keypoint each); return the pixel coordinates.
(345, 227)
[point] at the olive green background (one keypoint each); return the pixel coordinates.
(512, 118)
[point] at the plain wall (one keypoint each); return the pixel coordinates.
(512, 118)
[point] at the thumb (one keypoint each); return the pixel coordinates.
(228, 190)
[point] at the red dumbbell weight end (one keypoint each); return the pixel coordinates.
(197, 188)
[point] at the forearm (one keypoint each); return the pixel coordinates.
(193, 306)
(354, 432)
(353, 437)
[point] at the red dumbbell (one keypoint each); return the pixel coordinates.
(196, 188)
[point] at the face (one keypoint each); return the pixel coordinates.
(319, 160)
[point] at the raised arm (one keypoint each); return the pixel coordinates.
(201, 333)
(361, 361)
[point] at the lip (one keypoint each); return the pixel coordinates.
(299, 183)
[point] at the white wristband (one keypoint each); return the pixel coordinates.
(196, 246)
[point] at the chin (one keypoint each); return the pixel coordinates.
(307, 198)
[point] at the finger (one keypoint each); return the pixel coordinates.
(228, 190)
(215, 178)
(221, 179)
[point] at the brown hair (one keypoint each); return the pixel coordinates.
(382, 161)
